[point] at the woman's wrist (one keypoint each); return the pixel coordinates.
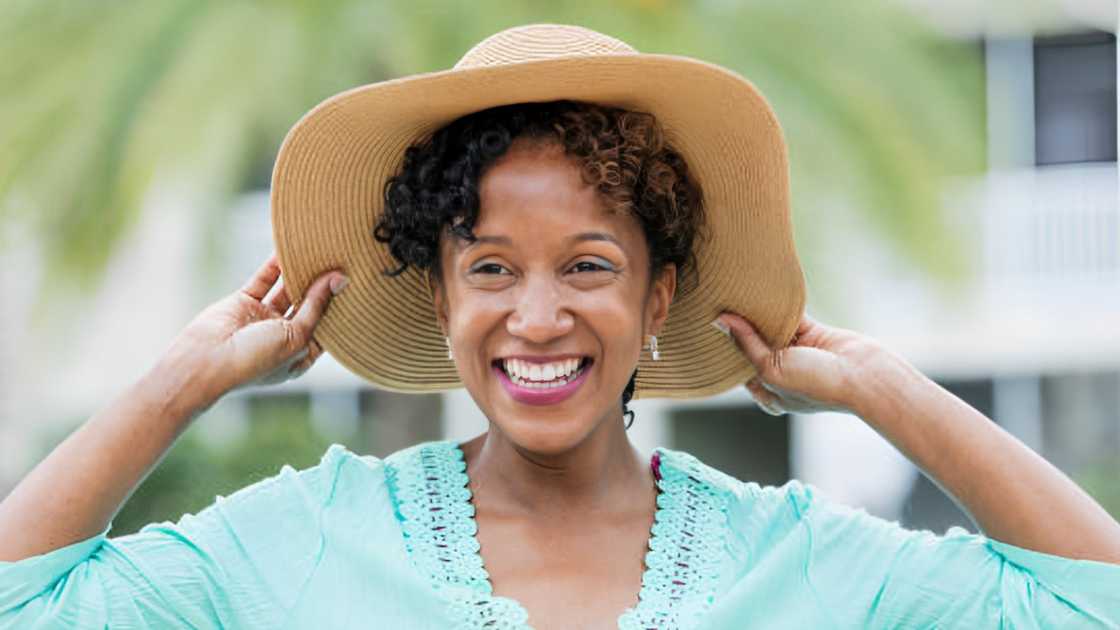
(182, 387)
(880, 383)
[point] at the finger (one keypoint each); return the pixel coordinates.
(766, 400)
(806, 323)
(773, 389)
(257, 287)
(279, 299)
(315, 349)
(310, 353)
(774, 409)
(759, 392)
(301, 366)
(308, 314)
(750, 342)
(298, 357)
(297, 370)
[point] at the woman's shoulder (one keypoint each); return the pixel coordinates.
(427, 451)
(754, 509)
(434, 470)
(339, 474)
(793, 493)
(339, 458)
(341, 471)
(337, 465)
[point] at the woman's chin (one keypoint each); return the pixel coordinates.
(548, 427)
(546, 437)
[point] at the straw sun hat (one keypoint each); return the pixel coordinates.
(331, 170)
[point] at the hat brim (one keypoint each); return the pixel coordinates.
(330, 173)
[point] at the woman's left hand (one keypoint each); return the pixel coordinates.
(821, 370)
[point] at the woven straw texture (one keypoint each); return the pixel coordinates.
(332, 166)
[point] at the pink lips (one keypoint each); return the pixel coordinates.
(535, 396)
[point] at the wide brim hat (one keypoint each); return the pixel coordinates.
(330, 174)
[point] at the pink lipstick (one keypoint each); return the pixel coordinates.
(542, 396)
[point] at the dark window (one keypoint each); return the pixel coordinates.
(1080, 413)
(1075, 98)
(391, 421)
(741, 441)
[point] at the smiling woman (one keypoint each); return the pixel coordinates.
(530, 250)
(554, 234)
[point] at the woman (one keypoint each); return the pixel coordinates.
(555, 242)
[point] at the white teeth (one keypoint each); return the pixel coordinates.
(541, 375)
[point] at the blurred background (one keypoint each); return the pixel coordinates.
(955, 190)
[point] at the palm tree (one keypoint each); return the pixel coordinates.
(101, 99)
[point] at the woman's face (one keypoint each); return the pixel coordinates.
(548, 310)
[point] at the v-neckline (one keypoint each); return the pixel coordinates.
(435, 506)
(522, 612)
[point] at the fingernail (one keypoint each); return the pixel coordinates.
(722, 327)
(338, 283)
(773, 410)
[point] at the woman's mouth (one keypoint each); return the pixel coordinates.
(542, 382)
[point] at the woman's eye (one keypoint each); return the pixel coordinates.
(490, 268)
(587, 265)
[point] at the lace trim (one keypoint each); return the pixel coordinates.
(430, 489)
(429, 485)
(686, 544)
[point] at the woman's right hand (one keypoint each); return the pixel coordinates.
(248, 338)
(823, 368)
(241, 339)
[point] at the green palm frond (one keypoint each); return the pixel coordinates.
(100, 99)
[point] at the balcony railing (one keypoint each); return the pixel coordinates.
(1052, 227)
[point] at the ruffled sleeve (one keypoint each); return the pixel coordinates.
(881, 575)
(240, 562)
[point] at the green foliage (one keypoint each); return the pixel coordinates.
(186, 480)
(195, 471)
(877, 110)
(1102, 481)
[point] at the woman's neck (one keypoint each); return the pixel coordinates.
(604, 472)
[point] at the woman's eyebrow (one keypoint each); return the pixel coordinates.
(594, 236)
(481, 239)
(575, 238)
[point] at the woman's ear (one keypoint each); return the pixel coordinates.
(660, 297)
(439, 300)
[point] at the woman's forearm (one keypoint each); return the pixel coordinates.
(247, 337)
(1014, 494)
(74, 493)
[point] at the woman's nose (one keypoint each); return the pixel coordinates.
(540, 314)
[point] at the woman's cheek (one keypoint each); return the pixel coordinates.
(619, 332)
(473, 320)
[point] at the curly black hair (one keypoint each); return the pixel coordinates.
(623, 153)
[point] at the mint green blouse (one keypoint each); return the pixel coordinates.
(358, 541)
